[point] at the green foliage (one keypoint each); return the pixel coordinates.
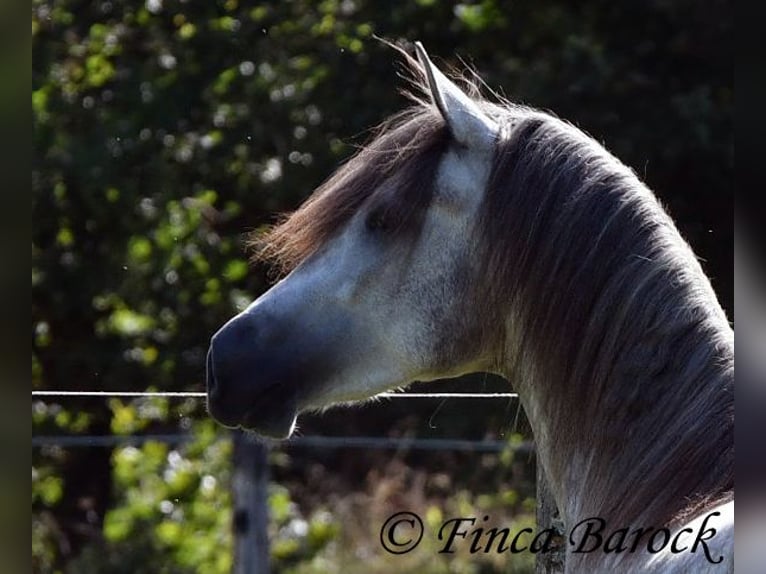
(164, 130)
(172, 509)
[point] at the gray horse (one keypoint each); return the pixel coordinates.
(478, 236)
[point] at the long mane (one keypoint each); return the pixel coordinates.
(616, 314)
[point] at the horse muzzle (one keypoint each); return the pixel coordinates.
(249, 382)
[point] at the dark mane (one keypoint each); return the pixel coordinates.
(405, 149)
(615, 313)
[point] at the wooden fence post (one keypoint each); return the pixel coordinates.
(250, 483)
(548, 517)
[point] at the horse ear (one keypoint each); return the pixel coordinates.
(469, 125)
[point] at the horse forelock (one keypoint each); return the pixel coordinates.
(405, 152)
(407, 147)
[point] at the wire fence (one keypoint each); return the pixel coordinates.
(326, 442)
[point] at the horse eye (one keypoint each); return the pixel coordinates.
(378, 220)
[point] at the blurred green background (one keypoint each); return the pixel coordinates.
(164, 131)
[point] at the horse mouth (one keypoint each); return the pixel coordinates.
(271, 424)
(265, 418)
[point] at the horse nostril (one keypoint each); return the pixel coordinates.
(227, 368)
(218, 405)
(212, 387)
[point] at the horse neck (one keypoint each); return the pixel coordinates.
(631, 404)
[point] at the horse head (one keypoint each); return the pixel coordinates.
(382, 266)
